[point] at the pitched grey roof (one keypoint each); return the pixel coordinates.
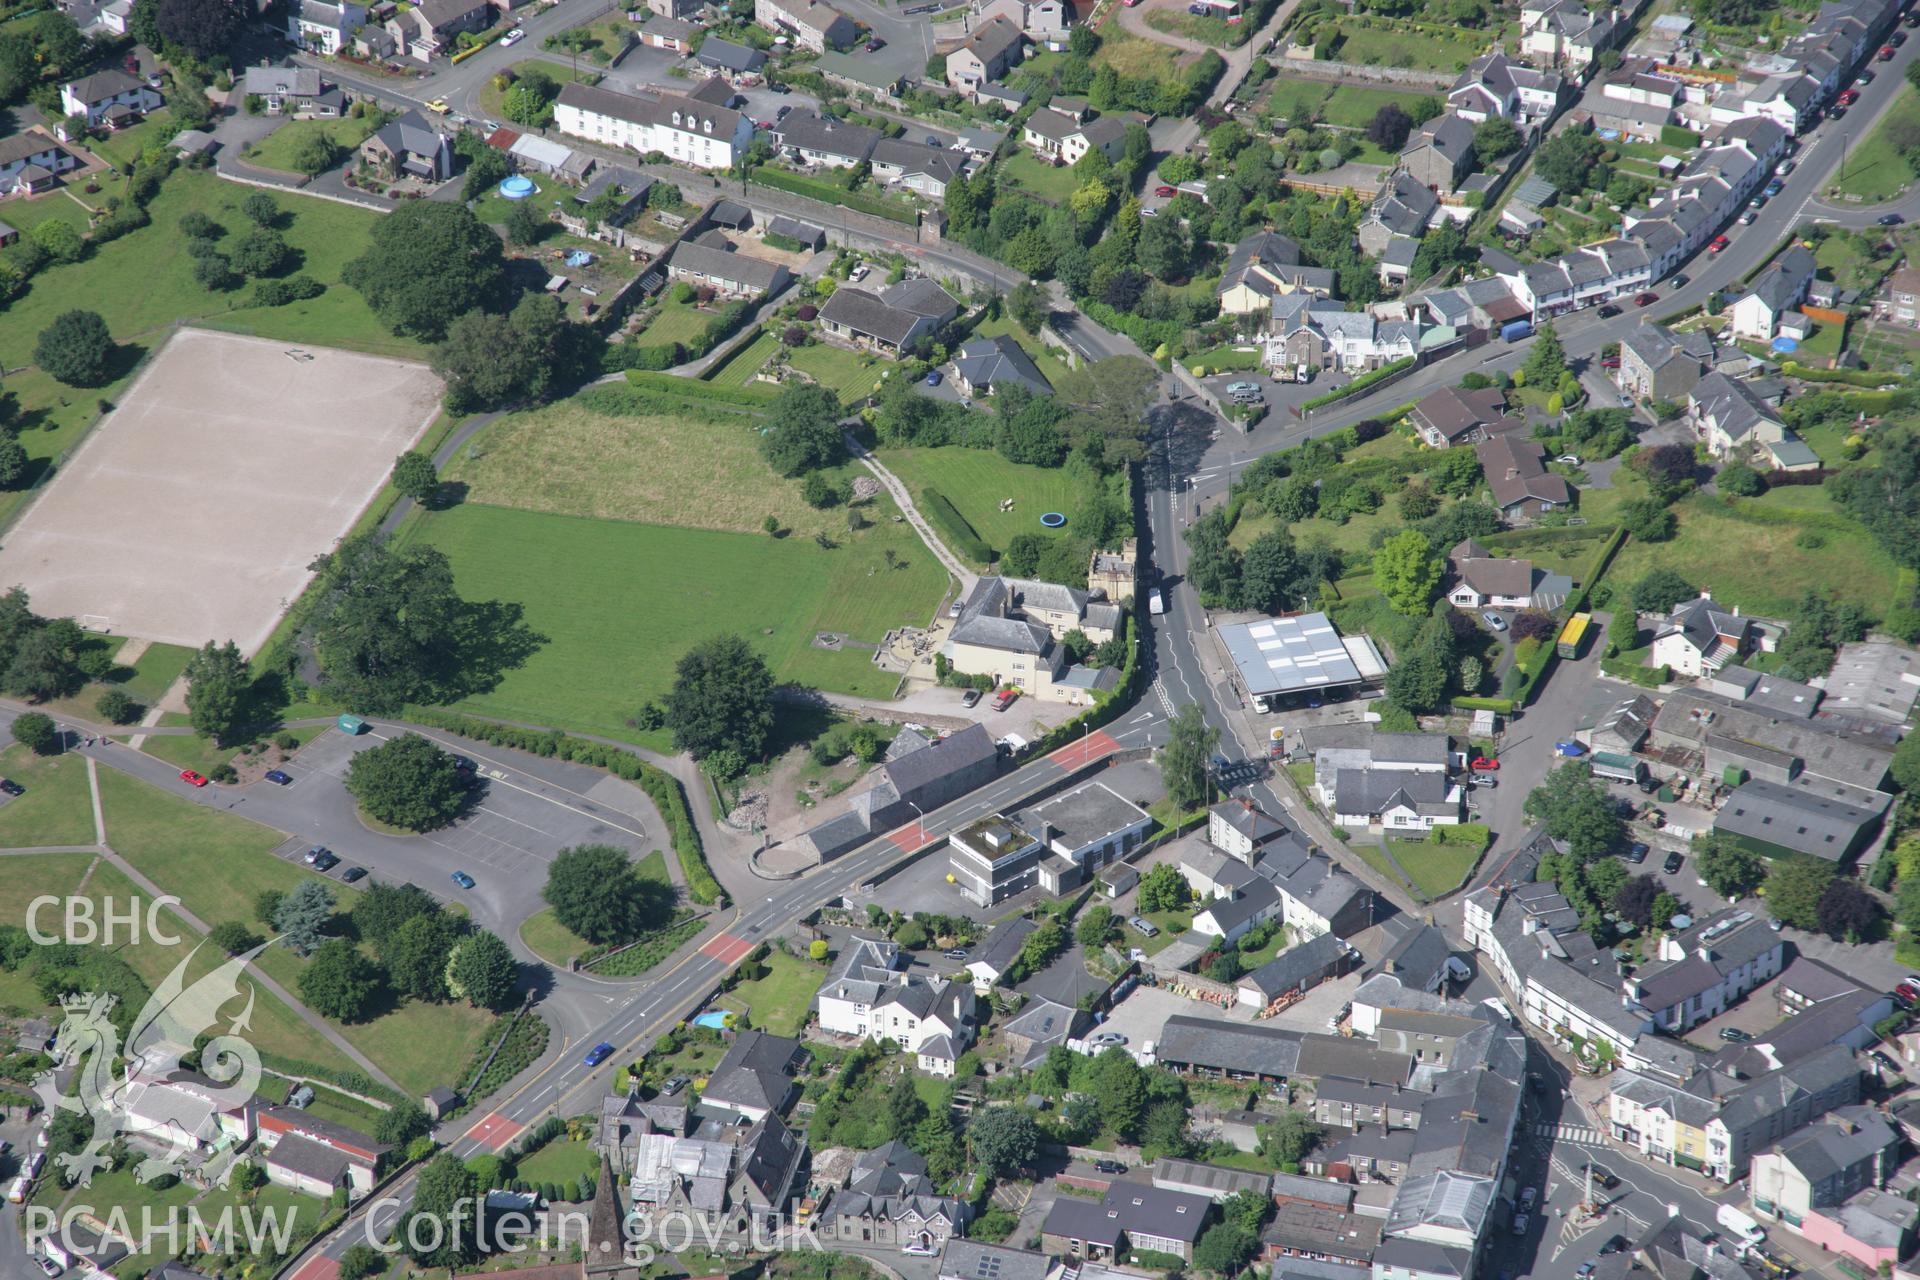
(720, 264)
(1370, 791)
(298, 82)
(938, 163)
(738, 58)
(922, 296)
(993, 39)
(1785, 279)
(1250, 903)
(1003, 943)
(102, 85)
(1130, 1206)
(808, 131)
(754, 1072)
(978, 1260)
(912, 773)
(866, 314)
(1248, 821)
(1297, 966)
(1442, 1199)
(1794, 818)
(1227, 1046)
(1000, 360)
(309, 1159)
(654, 109)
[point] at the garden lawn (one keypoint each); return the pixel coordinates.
(277, 149)
(62, 204)
(849, 374)
(124, 146)
(1436, 869)
(559, 1161)
(698, 470)
(1406, 45)
(1352, 107)
(1297, 101)
(493, 101)
(625, 600)
(1031, 173)
(675, 322)
(1376, 857)
(1131, 55)
(779, 1001)
(491, 207)
(1172, 924)
(1875, 169)
(975, 481)
(739, 368)
(1758, 566)
(56, 810)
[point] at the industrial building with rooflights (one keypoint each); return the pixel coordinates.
(1279, 660)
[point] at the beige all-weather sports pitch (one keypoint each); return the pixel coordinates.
(193, 510)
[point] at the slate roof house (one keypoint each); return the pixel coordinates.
(1701, 972)
(1522, 486)
(732, 275)
(992, 50)
(866, 996)
(1439, 154)
(892, 320)
(1452, 416)
(1263, 266)
(110, 97)
(890, 1200)
(994, 956)
(817, 140)
(1404, 209)
(920, 168)
(295, 90)
(409, 147)
(1131, 1217)
(322, 27)
(1487, 581)
(755, 1077)
(1659, 364)
(987, 363)
(1775, 291)
(1701, 637)
(1735, 421)
(33, 150)
(431, 27)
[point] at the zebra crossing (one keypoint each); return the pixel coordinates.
(1577, 1133)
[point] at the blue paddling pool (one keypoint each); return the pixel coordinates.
(517, 187)
(715, 1018)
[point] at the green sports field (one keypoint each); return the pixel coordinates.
(620, 602)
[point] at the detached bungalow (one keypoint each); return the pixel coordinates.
(734, 275)
(894, 319)
(987, 363)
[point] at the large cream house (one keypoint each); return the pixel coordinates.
(1010, 629)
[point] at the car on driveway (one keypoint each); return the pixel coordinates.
(313, 855)
(192, 778)
(1109, 1166)
(1494, 620)
(1570, 459)
(933, 377)
(327, 861)
(279, 777)
(970, 698)
(674, 1086)
(1636, 854)
(11, 787)
(1645, 298)
(1164, 192)
(1144, 925)
(1485, 763)
(513, 37)
(1886, 1063)
(1106, 1039)
(957, 953)
(1673, 863)
(1734, 1035)
(1609, 311)
(597, 1055)
(1005, 698)
(876, 44)
(462, 879)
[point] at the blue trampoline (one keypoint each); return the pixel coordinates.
(1053, 520)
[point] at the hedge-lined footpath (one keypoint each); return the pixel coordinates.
(1359, 384)
(661, 787)
(781, 180)
(957, 528)
(749, 397)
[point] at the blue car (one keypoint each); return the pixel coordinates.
(462, 879)
(598, 1054)
(1773, 188)
(933, 377)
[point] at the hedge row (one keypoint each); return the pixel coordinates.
(1852, 377)
(661, 787)
(780, 180)
(1359, 384)
(1645, 677)
(646, 953)
(1148, 333)
(1501, 706)
(694, 389)
(1109, 705)
(520, 1048)
(351, 1081)
(955, 526)
(1674, 136)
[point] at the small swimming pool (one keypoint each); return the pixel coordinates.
(517, 187)
(715, 1018)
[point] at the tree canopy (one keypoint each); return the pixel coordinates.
(76, 349)
(429, 261)
(406, 782)
(1575, 808)
(596, 893)
(721, 700)
(1187, 755)
(803, 429)
(218, 684)
(1407, 569)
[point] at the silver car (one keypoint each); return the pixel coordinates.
(1494, 620)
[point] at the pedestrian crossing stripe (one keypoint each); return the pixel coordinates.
(1570, 1133)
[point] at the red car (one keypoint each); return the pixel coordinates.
(1004, 699)
(1646, 299)
(1165, 193)
(1850, 97)
(192, 779)
(1486, 764)
(1886, 53)
(1719, 243)
(1611, 362)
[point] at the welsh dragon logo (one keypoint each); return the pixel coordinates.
(165, 1029)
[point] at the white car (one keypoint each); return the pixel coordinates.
(514, 36)
(1571, 459)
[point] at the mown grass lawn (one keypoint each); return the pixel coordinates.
(1044, 180)
(777, 1002)
(675, 322)
(1761, 567)
(559, 1161)
(1436, 869)
(1875, 169)
(849, 374)
(976, 481)
(740, 367)
(56, 810)
(124, 146)
(1353, 107)
(1405, 46)
(277, 149)
(62, 204)
(624, 600)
